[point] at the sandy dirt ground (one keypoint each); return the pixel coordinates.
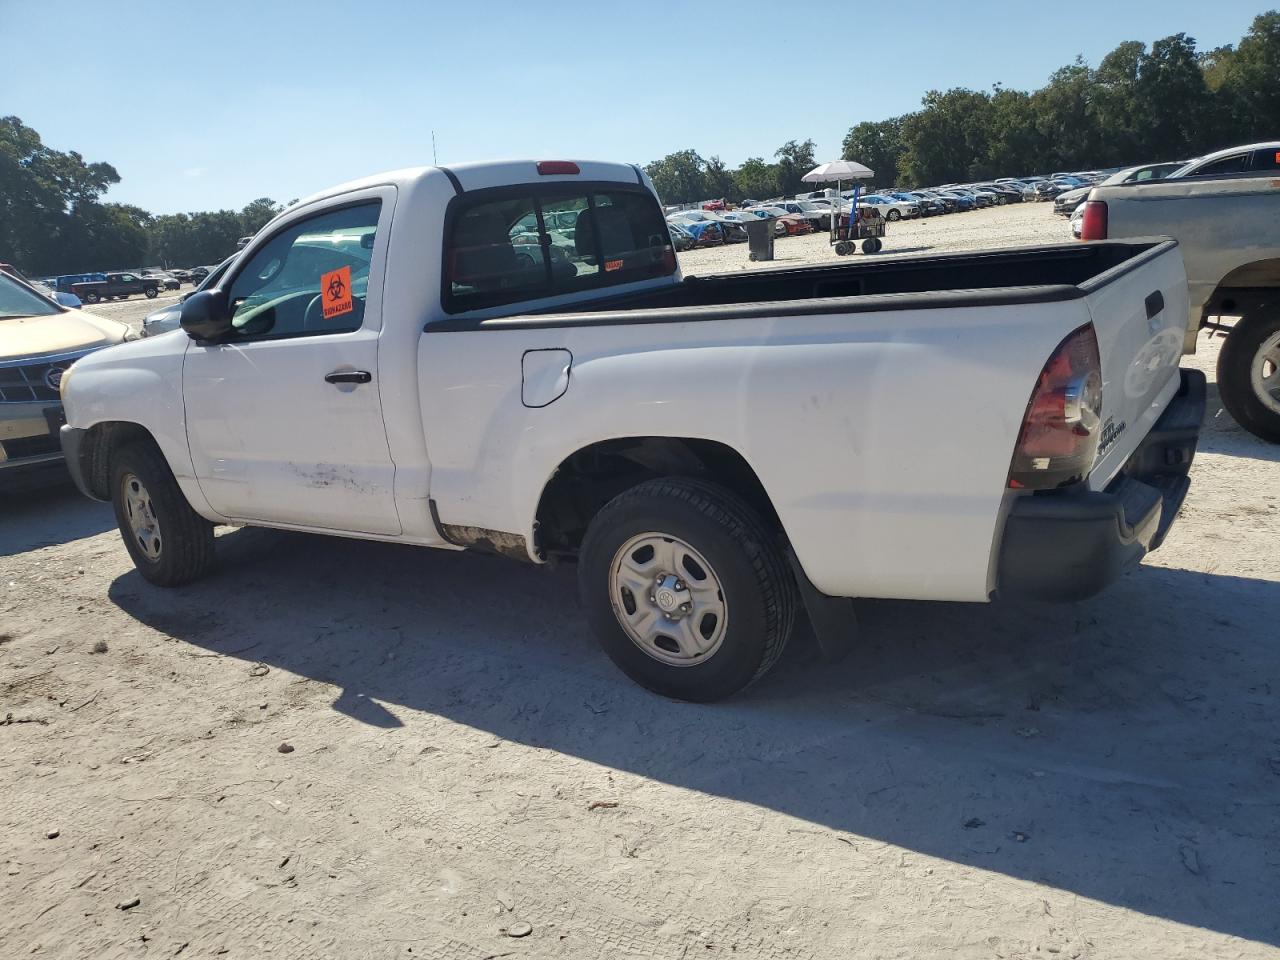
(337, 749)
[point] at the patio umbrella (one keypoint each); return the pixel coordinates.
(838, 170)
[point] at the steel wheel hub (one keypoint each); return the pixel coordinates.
(141, 515)
(668, 599)
(1265, 373)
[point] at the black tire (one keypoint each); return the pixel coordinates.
(893, 215)
(757, 586)
(151, 292)
(869, 245)
(1235, 384)
(185, 539)
(90, 298)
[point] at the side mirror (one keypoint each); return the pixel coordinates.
(206, 316)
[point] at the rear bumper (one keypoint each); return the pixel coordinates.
(1066, 546)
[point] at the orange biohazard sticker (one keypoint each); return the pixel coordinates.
(610, 265)
(335, 292)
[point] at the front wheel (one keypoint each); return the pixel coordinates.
(893, 215)
(1249, 374)
(169, 542)
(151, 292)
(686, 589)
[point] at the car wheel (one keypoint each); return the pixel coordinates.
(893, 215)
(1249, 374)
(91, 298)
(686, 589)
(151, 292)
(169, 542)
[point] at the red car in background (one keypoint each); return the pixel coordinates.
(713, 205)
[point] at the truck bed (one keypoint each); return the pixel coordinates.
(983, 278)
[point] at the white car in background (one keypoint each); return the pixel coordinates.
(889, 208)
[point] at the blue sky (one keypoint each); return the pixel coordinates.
(209, 105)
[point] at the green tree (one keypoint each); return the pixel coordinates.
(876, 144)
(257, 214)
(1175, 100)
(720, 181)
(756, 179)
(1247, 79)
(942, 141)
(679, 177)
(40, 191)
(102, 236)
(794, 161)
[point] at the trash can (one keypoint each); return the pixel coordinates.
(759, 238)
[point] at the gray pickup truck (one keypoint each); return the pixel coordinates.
(1224, 211)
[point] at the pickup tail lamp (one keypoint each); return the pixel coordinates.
(1093, 226)
(550, 168)
(1059, 435)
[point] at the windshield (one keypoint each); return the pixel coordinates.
(18, 300)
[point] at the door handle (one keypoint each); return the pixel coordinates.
(348, 376)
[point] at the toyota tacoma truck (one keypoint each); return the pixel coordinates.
(1224, 211)
(715, 453)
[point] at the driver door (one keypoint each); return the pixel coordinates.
(285, 418)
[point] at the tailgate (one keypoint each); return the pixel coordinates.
(1139, 311)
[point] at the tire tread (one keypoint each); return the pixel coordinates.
(187, 537)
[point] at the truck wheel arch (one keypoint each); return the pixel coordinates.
(590, 477)
(1243, 287)
(96, 449)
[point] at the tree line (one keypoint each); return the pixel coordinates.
(1168, 101)
(53, 220)
(1140, 104)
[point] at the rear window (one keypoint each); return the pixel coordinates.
(523, 243)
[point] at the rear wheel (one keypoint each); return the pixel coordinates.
(169, 542)
(90, 298)
(151, 292)
(1249, 374)
(686, 589)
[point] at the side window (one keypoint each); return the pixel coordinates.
(1268, 159)
(504, 248)
(1234, 164)
(310, 278)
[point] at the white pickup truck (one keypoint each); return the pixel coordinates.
(1224, 211)
(417, 357)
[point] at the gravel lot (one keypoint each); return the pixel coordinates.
(1021, 224)
(1012, 781)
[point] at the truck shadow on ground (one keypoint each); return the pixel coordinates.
(1123, 749)
(45, 509)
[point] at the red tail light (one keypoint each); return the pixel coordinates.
(1094, 224)
(1059, 435)
(547, 168)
